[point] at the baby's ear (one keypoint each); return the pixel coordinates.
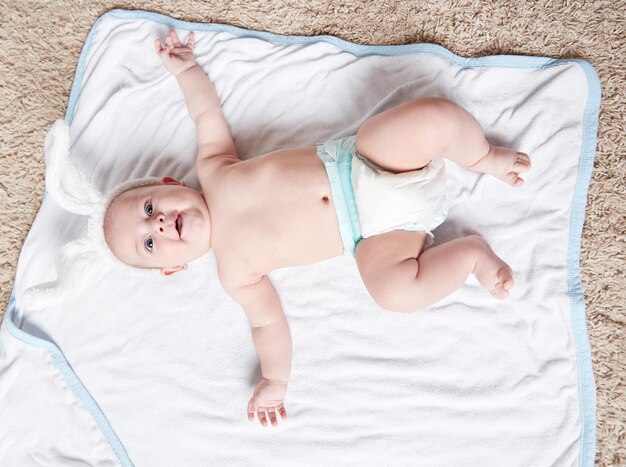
(170, 271)
(172, 181)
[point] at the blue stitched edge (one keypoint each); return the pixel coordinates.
(586, 384)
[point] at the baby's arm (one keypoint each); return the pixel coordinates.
(214, 137)
(272, 341)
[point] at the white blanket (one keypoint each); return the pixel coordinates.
(158, 373)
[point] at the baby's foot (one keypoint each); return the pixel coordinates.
(503, 163)
(493, 273)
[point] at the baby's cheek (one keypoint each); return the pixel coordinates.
(184, 250)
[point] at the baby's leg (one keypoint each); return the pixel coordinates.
(409, 136)
(401, 278)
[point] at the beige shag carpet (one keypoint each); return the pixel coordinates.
(41, 42)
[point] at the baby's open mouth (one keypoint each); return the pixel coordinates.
(179, 225)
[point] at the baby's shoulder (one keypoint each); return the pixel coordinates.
(235, 271)
(211, 171)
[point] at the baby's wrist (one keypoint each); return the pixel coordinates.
(179, 73)
(281, 382)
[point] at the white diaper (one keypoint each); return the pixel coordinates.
(415, 200)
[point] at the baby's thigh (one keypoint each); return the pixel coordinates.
(387, 263)
(408, 136)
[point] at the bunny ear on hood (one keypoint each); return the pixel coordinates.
(76, 263)
(65, 182)
(70, 187)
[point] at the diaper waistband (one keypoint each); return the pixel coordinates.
(337, 157)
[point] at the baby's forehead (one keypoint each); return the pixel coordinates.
(138, 191)
(135, 193)
(128, 197)
(126, 201)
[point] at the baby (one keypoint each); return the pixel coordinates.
(304, 205)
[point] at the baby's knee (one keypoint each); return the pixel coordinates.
(475, 242)
(440, 116)
(437, 107)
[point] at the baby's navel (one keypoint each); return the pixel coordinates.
(325, 199)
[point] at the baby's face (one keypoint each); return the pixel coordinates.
(158, 226)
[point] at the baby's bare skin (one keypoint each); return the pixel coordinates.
(277, 210)
(269, 212)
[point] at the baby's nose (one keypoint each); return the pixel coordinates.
(160, 224)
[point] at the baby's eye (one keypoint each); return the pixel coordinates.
(148, 207)
(148, 244)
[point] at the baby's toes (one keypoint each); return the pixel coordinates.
(499, 292)
(521, 165)
(505, 283)
(513, 179)
(505, 277)
(522, 162)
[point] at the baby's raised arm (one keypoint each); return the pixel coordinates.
(214, 138)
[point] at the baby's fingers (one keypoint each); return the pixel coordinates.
(172, 38)
(191, 40)
(272, 414)
(175, 38)
(162, 51)
(282, 411)
(262, 417)
(252, 407)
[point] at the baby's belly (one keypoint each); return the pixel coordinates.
(308, 233)
(292, 220)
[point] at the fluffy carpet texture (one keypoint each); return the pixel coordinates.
(41, 43)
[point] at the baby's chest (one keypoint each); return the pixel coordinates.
(280, 214)
(279, 236)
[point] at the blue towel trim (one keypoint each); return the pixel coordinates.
(586, 384)
(72, 380)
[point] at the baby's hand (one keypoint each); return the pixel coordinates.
(176, 57)
(268, 395)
